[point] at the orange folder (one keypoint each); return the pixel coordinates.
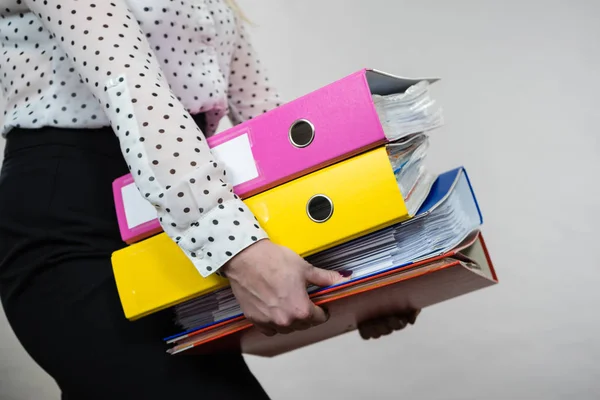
(464, 269)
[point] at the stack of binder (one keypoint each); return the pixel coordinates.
(338, 176)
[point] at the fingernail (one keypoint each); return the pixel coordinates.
(345, 273)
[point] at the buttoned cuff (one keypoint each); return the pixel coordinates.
(220, 235)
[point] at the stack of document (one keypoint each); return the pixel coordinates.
(359, 113)
(407, 157)
(339, 176)
(405, 113)
(450, 215)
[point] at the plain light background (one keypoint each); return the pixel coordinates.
(520, 86)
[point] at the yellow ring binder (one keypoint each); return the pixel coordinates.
(316, 205)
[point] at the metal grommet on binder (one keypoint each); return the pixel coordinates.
(302, 133)
(319, 208)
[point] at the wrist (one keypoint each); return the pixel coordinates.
(241, 261)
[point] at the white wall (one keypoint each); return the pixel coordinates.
(520, 86)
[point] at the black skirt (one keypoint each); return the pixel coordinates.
(58, 229)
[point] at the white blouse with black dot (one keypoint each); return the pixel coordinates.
(143, 67)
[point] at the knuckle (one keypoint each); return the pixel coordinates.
(283, 320)
(303, 313)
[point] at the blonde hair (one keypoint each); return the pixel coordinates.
(237, 10)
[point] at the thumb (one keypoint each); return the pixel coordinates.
(324, 277)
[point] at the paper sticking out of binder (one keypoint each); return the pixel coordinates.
(461, 270)
(310, 214)
(355, 114)
(448, 217)
(339, 177)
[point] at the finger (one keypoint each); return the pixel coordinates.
(284, 330)
(302, 325)
(375, 329)
(374, 334)
(366, 330)
(265, 329)
(413, 316)
(396, 323)
(318, 316)
(299, 325)
(382, 329)
(323, 277)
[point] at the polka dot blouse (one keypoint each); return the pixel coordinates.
(144, 67)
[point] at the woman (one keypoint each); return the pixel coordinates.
(95, 89)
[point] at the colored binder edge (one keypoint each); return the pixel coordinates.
(243, 324)
(442, 188)
(375, 82)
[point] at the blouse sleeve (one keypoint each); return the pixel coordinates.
(166, 152)
(250, 92)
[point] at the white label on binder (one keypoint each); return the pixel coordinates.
(137, 209)
(237, 156)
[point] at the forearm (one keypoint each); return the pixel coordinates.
(166, 152)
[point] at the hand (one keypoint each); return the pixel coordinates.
(270, 283)
(378, 327)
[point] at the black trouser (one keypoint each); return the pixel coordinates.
(58, 230)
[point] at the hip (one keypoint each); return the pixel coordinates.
(56, 204)
(58, 180)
